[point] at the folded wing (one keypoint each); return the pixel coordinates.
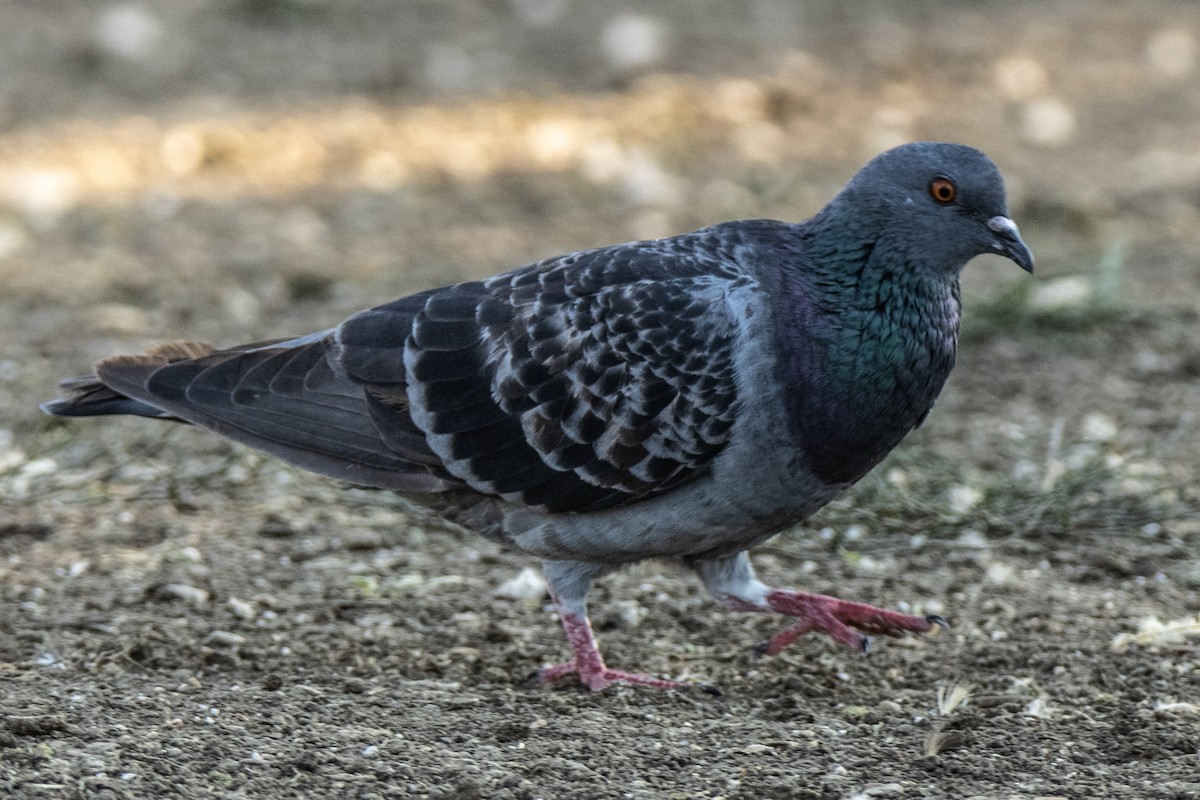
(576, 384)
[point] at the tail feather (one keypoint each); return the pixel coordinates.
(88, 396)
(282, 397)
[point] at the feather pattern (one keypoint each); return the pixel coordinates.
(574, 384)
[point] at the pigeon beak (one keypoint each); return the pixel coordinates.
(1009, 244)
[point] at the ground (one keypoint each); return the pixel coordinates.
(182, 617)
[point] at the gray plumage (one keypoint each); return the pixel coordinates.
(687, 397)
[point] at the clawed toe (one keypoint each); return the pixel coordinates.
(848, 622)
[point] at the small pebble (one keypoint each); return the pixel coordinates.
(1098, 428)
(128, 31)
(1020, 78)
(528, 584)
(241, 609)
(1048, 122)
(1172, 52)
(225, 639)
(633, 40)
(191, 595)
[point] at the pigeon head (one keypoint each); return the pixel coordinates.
(940, 204)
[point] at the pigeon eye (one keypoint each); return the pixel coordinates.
(943, 190)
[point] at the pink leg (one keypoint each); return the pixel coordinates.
(588, 664)
(569, 582)
(732, 580)
(838, 618)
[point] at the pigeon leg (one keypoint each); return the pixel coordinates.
(569, 583)
(732, 581)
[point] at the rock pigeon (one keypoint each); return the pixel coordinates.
(684, 398)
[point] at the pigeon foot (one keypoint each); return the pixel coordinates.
(848, 622)
(588, 664)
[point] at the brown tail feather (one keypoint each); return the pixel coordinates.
(89, 395)
(156, 356)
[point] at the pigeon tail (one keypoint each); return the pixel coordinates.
(279, 396)
(90, 396)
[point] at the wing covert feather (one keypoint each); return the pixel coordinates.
(574, 384)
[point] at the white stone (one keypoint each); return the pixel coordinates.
(963, 498)
(242, 306)
(898, 478)
(630, 613)
(555, 143)
(1058, 293)
(192, 595)
(602, 160)
(43, 193)
(630, 41)
(119, 318)
(999, 573)
(128, 31)
(1098, 428)
(1049, 122)
(12, 239)
(1039, 708)
(1172, 51)
(242, 609)
(528, 584)
(1020, 78)
(972, 538)
(11, 457)
(647, 183)
(182, 149)
(39, 467)
(225, 639)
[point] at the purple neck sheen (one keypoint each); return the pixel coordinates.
(860, 373)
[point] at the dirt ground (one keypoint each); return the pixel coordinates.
(182, 617)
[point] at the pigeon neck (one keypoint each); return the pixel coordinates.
(865, 347)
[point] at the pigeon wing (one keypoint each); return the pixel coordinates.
(577, 384)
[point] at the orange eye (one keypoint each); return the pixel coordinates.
(943, 190)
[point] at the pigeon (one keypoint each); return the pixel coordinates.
(685, 398)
